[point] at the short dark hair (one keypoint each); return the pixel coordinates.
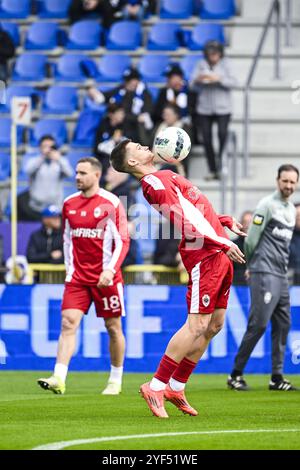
(287, 167)
(118, 157)
(174, 108)
(92, 160)
(46, 137)
(113, 107)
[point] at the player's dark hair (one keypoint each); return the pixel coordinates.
(118, 157)
(174, 108)
(287, 167)
(46, 137)
(93, 161)
(113, 107)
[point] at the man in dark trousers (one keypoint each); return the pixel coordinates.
(46, 244)
(267, 253)
(7, 51)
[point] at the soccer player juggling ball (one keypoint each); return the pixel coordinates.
(207, 254)
(95, 244)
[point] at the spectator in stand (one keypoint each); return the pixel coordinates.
(46, 244)
(239, 270)
(112, 129)
(46, 172)
(134, 9)
(7, 51)
(120, 184)
(135, 98)
(175, 92)
(294, 262)
(84, 9)
(213, 80)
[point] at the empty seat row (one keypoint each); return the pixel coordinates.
(169, 9)
(123, 35)
(110, 68)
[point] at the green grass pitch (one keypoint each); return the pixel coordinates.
(31, 417)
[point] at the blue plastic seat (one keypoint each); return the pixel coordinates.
(111, 67)
(164, 37)
(4, 166)
(124, 35)
(13, 30)
(154, 90)
(70, 68)
(176, 9)
(60, 100)
(55, 127)
(30, 67)
(84, 134)
(53, 8)
(205, 32)
(14, 8)
(84, 35)
(5, 134)
(17, 90)
(217, 9)
(73, 156)
(152, 67)
(188, 64)
(42, 36)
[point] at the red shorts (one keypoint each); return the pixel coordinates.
(109, 301)
(209, 284)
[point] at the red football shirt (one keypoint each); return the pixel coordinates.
(180, 201)
(95, 236)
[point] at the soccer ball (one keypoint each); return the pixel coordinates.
(172, 144)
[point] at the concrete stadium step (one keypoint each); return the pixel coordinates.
(257, 9)
(264, 75)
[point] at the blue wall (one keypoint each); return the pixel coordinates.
(30, 322)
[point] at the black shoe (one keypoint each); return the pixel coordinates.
(282, 386)
(237, 383)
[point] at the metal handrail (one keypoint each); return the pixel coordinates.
(229, 154)
(275, 9)
(288, 23)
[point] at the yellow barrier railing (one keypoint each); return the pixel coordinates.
(134, 274)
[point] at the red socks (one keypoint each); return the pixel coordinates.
(166, 369)
(184, 370)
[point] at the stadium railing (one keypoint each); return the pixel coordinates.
(134, 274)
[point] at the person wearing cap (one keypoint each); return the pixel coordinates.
(135, 98)
(46, 244)
(213, 80)
(175, 92)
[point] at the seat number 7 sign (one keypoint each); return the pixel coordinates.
(21, 110)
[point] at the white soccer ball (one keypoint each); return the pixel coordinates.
(172, 144)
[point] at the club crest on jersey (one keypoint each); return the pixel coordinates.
(97, 212)
(267, 297)
(194, 193)
(206, 300)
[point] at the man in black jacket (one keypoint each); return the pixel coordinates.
(46, 244)
(7, 51)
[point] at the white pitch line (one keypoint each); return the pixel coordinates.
(63, 444)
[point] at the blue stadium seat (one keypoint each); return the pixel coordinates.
(164, 37)
(154, 90)
(84, 134)
(176, 9)
(60, 100)
(53, 8)
(188, 64)
(30, 67)
(124, 35)
(111, 67)
(14, 8)
(13, 30)
(4, 166)
(55, 127)
(70, 68)
(73, 156)
(152, 67)
(5, 128)
(85, 35)
(205, 32)
(17, 90)
(42, 36)
(217, 9)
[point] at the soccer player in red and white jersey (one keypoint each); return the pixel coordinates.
(207, 254)
(96, 242)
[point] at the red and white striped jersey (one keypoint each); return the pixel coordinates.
(95, 236)
(181, 202)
